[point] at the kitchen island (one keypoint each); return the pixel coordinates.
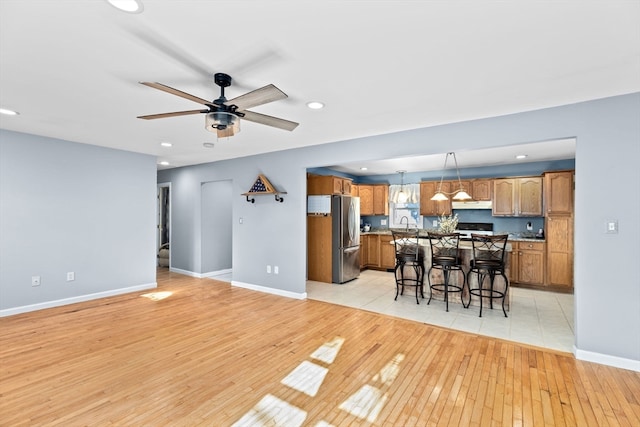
(466, 253)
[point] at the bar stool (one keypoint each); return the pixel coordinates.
(488, 261)
(409, 254)
(445, 256)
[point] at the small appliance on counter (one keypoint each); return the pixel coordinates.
(366, 228)
(540, 234)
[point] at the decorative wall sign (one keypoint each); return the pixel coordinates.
(262, 186)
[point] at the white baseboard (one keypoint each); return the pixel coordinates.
(185, 272)
(73, 300)
(605, 359)
(213, 274)
(268, 290)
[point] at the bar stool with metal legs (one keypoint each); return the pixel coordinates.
(409, 256)
(488, 261)
(445, 256)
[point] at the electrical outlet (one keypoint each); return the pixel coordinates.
(435, 223)
(275, 270)
(240, 220)
(268, 269)
(383, 222)
(71, 276)
(35, 280)
(612, 226)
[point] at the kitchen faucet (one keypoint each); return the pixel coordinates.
(405, 217)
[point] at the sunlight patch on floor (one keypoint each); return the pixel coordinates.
(272, 412)
(307, 378)
(328, 351)
(157, 296)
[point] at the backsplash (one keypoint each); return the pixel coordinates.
(509, 224)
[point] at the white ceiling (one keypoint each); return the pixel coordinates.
(71, 68)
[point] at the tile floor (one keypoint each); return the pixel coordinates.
(539, 318)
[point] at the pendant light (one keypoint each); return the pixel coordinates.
(402, 196)
(459, 194)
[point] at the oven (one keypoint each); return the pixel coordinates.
(466, 228)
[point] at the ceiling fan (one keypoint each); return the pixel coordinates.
(222, 115)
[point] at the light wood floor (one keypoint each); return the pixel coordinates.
(210, 354)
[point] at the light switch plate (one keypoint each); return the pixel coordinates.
(611, 226)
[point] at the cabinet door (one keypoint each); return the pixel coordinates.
(346, 186)
(366, 199)
(481, 189)
(559, 237)
(513, 263)
(364, 249)
(531, 263)
(381, 200)
(373, 250)
(529, 196)
(337, 185)
(429, 207)
(504, 197)
(319, 248)
(558, 193)
(354, 190)
(387, 252)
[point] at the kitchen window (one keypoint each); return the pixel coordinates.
(404, 208)
(402, 213)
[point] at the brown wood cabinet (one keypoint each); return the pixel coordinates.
(374, 199)
(372, 251)
(558, 193)
(381, 199)
(559, 237)
(319, 248)
(364, 249)
(387, 252)
(429, 207)
(365, 192)
(482, 189)
(527, 263)
(517, 196)
(327, 184)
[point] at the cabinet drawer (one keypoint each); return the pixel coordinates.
(531, 246)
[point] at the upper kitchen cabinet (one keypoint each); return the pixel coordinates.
(478, 189)
(558, 193)
(381, 199)
(429, 207)
(328, 184)
(481, 189)
(374, 199)
(517, 196)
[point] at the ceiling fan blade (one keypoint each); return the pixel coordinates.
(177, 92)
(269, 120)
(266, 94)
(174, 114)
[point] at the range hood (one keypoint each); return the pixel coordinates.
(471, 204)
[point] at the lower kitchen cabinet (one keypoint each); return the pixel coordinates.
(387, 252)
(372, 251)
(527, 263)
(559, 236)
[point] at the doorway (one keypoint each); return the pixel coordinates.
(163, 237)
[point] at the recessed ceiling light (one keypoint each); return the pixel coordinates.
(521, 156)
(130, 6)
(208, 144)
(315, 105)
(8, 112)
(166, 144)
(364, 168)
(164, 163)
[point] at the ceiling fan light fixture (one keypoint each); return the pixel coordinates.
(222, 121)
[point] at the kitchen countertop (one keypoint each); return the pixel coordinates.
(513, 237)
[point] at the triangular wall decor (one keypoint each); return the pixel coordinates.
(262, 186)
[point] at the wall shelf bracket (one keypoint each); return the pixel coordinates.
(262, 186)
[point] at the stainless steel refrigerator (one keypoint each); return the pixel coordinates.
(345, 213)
